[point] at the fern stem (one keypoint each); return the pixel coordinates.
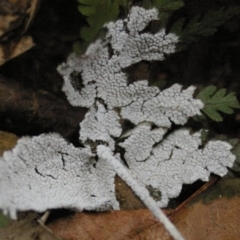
(106, 154)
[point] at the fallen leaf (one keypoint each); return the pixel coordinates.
(217, 220)
(7, 141)
(27, 228)
(32, 9)
(6, 22)
(15, 17)
(15, 48)
(115, 225)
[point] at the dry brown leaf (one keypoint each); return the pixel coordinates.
(7, 141)
(32, 9)
(5, 23)
(27, 228)
(218, 220)
(115, 225)
(16, 16)
(15, 48)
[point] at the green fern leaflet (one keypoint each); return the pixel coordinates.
(165, 7)
(97, 14)
(217, 100)
(199, 27)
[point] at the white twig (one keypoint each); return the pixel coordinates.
(106, 154)
(44, 218)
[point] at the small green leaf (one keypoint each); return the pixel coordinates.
(98, 13)
(206, 93)
(225, 109)
(220, 93)
(165, 7)
(3, 220)
(87, 10)
(124, 3)
(217, 100)
(88, 34)
(212, 113)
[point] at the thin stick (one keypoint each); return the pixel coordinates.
(106, 154)
(44, 218)
(194, 195)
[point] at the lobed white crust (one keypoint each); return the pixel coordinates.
(100, 124)
(163, 164)
(140, 142)
(103, 77)
(170, 105)
(46, 172)
(178, 160)
(102, 71)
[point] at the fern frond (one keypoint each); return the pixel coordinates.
(199, 27)
(165, 7)
(97, 14)
(168, 5)
(96, 20)
(217, 100)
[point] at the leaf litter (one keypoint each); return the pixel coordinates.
(216, 220)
